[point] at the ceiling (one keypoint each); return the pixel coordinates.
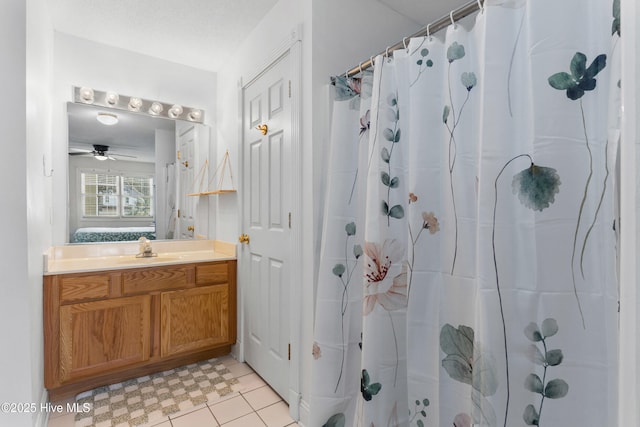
(423, 11)
(196, 33)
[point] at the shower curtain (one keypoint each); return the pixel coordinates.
(468, 260)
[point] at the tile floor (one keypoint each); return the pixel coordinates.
(252, 404)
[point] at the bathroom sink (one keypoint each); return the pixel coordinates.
(127, 260)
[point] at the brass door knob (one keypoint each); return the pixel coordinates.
(191, 228)
(186, 163)
(263, 129)
(244, 239)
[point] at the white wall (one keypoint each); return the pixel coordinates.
(80, 62)
(25, 120)
(14, 290)
(336, 35)
(39, 183)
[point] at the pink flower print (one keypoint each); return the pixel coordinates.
(365, 122)
(462, 420)
(390, 293)
(316, 352)
(430, 222)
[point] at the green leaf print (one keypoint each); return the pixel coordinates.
(554, 389)
(467, 363)
(337, 420)
(455, 51)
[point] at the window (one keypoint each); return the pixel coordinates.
(114, 195)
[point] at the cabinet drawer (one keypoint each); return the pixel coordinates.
(212, 273)
(156, 279)
(74, 288)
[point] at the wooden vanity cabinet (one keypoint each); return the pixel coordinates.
(193, 319)
(100, 336)
(108, 326)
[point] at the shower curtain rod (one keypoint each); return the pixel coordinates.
(432, 28)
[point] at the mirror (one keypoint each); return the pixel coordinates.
(123, 178)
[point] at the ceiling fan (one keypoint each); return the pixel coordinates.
(100, 152)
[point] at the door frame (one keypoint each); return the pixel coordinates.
(290, 46)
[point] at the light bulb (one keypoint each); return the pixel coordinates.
(155, 109)
(86, 95)
(195, 115)
(175, 111)
(111, 98)
(135, 104)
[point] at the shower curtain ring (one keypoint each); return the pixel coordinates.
(451, 17)
(360, 67)
(372, 63)
(480, 6)
(404, 42)
(429, 31)
(386, 52)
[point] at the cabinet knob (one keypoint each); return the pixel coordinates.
(244, 239)
(191, 228)
(186, 163)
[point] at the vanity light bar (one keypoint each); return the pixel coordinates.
(85, 95)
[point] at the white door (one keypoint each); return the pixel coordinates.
(267, 199)
(186, 142)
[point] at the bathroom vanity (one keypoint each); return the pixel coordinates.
(109, 316)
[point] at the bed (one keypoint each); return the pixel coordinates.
(112, 234)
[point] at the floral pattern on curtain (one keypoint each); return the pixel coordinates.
(468, 261)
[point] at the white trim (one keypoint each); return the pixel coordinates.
(304, 413)
(286, 45)
(292, 46)
(42, 417)
(239, 347)
(628, 372)
(294, 404)
(295, 330)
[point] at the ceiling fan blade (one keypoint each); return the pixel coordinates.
(88, 153)
(122, 155)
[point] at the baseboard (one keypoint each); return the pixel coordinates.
(304, 413)
(42, 417)
(294, 404)
(236, 352)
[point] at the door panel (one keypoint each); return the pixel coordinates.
(194, 319)
(255, 172)
(99, 336)
(278, 342)
(267, 200)
(276, 101)
(276, 166)
(254, 296)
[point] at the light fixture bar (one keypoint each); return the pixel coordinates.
(109, 99)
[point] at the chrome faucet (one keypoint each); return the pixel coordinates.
(145, 250)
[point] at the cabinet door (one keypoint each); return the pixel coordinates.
(98, 336)
(194, 319)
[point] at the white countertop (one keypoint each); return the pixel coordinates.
(115, 256)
